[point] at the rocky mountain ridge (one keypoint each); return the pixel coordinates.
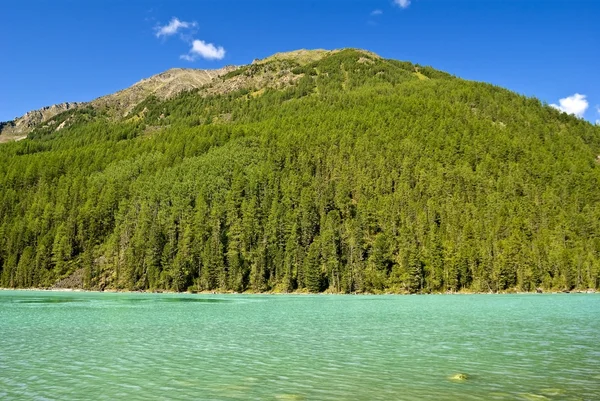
(275, 71)
(18, 128)
(164, 86)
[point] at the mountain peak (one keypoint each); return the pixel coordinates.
(305, 56)
(276, 71)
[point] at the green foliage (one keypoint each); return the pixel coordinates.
(235, 73)
(356, 177)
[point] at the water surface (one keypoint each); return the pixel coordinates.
(72, 346)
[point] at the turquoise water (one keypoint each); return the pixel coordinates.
(73, 346)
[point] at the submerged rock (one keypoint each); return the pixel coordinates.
(459, 377)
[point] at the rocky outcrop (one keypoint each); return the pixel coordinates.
(73, 281)
(21, 126)
(164, 85)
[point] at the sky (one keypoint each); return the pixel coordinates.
(58, 51)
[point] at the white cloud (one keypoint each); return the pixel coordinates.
(200, 49)
(376, 12)
(597, 122)
(576, 105)
(204, 50)
(402, 3)
(187, 57)
(173, 27)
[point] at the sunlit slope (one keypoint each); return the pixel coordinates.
(335, 171)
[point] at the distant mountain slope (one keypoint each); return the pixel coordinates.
(306, 171)
(21, 126)
(163, 86)
(166, 85)
(169, 84)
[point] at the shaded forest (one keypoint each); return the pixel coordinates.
(359, 175)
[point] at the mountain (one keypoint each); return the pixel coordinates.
(308, 171)
(18, 129)
(163, 86)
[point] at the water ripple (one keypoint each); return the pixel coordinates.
(164, 346)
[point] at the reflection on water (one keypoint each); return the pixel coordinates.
(45, 300)
(70, 346)
(201, 300)
(126, 299)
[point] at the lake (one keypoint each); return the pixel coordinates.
(107, 346)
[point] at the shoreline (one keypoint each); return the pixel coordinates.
(115, 291)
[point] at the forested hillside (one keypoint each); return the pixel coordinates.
(343, 173)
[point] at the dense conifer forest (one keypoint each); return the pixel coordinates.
(358, 174)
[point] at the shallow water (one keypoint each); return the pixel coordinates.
(72, 346)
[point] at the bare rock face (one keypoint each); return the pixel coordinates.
(32, 118)
(164, 85)
(21, 126)
(74, 281)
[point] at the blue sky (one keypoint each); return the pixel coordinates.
(56, 51)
